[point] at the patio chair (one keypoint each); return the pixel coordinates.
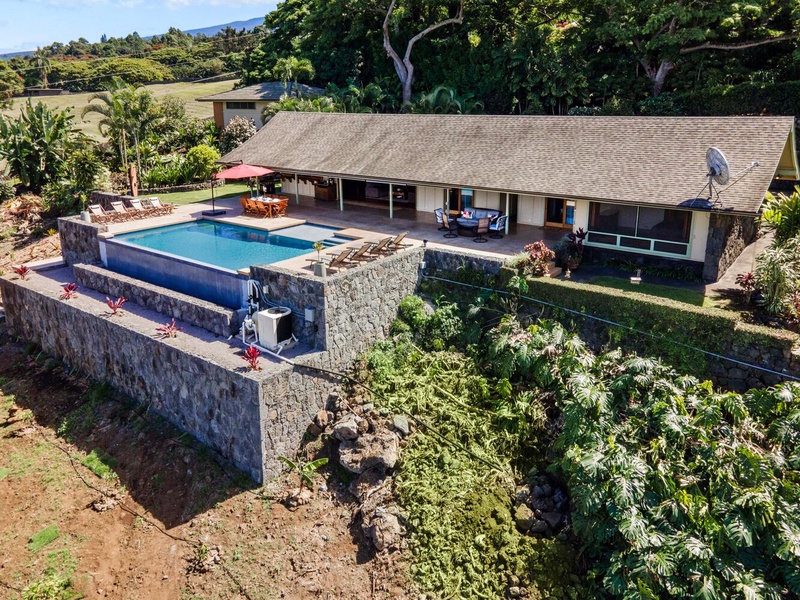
(498, 226)
(380, 248)
(481, 228)
(98, 214)
(119, 212)
(258, 209)
(279, 208)
(396, 243)
(450, 226)
(439, 212)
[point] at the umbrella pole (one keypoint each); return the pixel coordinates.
(213, 212)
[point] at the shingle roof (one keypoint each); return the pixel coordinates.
(269, 91)
(643, 160)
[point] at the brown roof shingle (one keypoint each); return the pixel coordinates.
(643, 160)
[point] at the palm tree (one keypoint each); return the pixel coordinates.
(127, 112)
(43, 64)
(293, 69)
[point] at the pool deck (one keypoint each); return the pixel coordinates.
(358, 222)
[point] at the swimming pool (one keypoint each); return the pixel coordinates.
(202, 258)
(232, 247)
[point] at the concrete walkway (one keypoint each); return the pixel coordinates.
(745, 263)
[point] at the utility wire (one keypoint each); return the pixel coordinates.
(614, 323)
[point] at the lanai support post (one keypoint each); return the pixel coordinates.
(296, 189)
(508, 207)
(391, 202)
(341, 195)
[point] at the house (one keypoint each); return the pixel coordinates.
(638, 185)
(250, 101)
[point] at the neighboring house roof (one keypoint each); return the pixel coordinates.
(269, 91)
(642, 160)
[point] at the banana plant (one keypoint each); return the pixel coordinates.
(306, 470)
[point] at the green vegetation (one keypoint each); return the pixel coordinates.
(229, 190)
(101, 464)
(45, 536)
(56, 581)
(677, 490)
(651, 289)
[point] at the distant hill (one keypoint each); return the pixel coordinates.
(13, 54)
(214, 29)
(209, 31)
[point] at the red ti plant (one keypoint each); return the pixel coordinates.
(747, 281)
(22, 271)
(115, 305)
(70, 291)
(251, 356)
(169, 329)
(540, 255)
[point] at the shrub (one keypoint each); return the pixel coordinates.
(236, 133)
(201, 162)
(777, 275)
(782, 215)
(663, 105)
(538, 257)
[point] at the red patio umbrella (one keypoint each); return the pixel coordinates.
(238, 172)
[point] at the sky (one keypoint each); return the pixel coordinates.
(28, 24)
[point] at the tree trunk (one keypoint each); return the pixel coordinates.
(403, 66)
(657, 75)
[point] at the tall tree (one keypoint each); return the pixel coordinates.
(10, 84)
(403, 66)
(43, 65)
(660, 32)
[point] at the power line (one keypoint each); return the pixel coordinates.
(627, 327)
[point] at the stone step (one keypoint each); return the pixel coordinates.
(554, 272)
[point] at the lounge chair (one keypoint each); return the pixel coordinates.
(337, 260)
(156, 204)
(397, 242)
(137, 210)
(362, 252)
(119, 211)
(451, 226)
(498, 226)
(481, 228)
(99, 215)
(380, 248)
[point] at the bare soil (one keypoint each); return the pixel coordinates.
(159, 516)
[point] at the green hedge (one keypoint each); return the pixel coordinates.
(781, 98)
(712, 330)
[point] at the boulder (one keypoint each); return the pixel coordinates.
(383, 529)
(539, 526)
(375, 450)
(553, 519)
(346, 430)
(524, 517)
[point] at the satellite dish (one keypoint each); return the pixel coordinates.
(718, 168)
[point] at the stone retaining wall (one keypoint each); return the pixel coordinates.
(439, 259)
(353, 308)
(211, 317)
(728, 236)
(79, 240)
(215, 403)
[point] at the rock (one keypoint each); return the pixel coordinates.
(383, 529)
(322, 419)
(363, 426)
(366, 482)
(538, 492)
(345, 430)
(513, 591)
(400, 424)
(368, 407)
(378, 449)
(559, 496)
(524, 517)
(553, 519)
(539, 527)
(547, 489)
(522, 495)
(543, 504)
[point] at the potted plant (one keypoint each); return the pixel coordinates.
(319, 266)
(574, 250)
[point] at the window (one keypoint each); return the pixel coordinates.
(466, 199)
(241, 105)
(640, 228)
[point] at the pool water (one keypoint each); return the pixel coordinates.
(230, 246)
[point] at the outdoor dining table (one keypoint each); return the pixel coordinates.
(271, 204)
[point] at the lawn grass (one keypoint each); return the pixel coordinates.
(101, 464)
(679, 294)
(187, 91)
(229, 190)
(45, 536)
